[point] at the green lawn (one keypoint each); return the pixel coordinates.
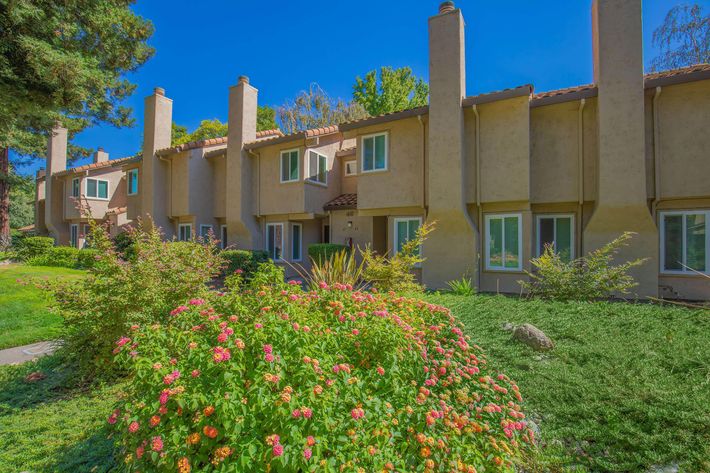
(626, 387)
(24, 317)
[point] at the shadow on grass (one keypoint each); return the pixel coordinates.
(95, 454)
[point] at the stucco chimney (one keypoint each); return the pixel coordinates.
(53, 198)
(153, 181)
(447, 87)
(621, 200)
(100, 156)
(242, 227)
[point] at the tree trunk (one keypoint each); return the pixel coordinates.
(4, 198)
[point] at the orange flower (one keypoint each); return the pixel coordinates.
(210, 431)
(183, 465)
(425, 452)
(193, 438)
(208, 411)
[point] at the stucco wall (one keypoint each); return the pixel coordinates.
(179, 187)
(219, 182)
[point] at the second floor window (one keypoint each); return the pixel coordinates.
(374, 152)
(132, 181)
(75, 187)
(96, 189)
(289, 166)
(317, 167)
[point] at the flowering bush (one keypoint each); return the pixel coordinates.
(267, 377)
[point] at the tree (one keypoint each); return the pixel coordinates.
(313, 108)
(216, 129)
(63, 62)
(265, 118)
(394, 90)
(22, 197)
(683, 38)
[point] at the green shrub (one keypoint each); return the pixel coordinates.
(321, 252)
(34, 246)
(271, 378)
(591, 277)
(341, 267)
(65, 257)
(86, 258)
(5, 255)
(245, 260)
(118, 293)
(123, 243)
(461, 287)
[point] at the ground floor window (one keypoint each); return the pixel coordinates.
(504, 242)
(296, 241)
(205, 230)
(558, 232)
(275, 240)
(74, 235)
(223, 236)
(685, 241)
(185, 232)
(405, 229)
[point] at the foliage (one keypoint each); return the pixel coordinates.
(339, 267)
(271, 378)
(265, 118)
(65, 257)
(124, 245)
(35, 246)
(321, 252)
(587, 278)
(396, 272)
(394, 90)
(214, 128)
(22, 201)
(313, 108)
(683, 39)
(117, 293)
(461, 287)
(246, 261)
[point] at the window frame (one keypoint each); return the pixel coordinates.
(503, 216)
(395, 234)
(308, 167)
(685, 271)
(266, 246)
(300, 242)
(75, 186)
(298, 165)
(86, 188)
(223, 236)
(345, 168)
(74, 235)
(180, 227)
(573, 232)
(203, 225)
(374, 158)
(133, 171)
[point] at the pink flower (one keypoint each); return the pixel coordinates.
(307, 412)
(310, 440)
(278, 450)
(295, 326)
(156, 444)
(357, 413)
(293, 282)
(133, 427)
(323, 285)
(178, 310)
(380, 371)
(122, 341)
(307, 453)
(221, 354)
(197, 301)
(268, 349)
(195, 373)
(164, 396)
(113, 417)
(296, 413)
(239, 343)
(356, 331)
(258, 325)
(239, 271)
(269, 358)
(222, 337)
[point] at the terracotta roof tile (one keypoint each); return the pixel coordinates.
(342, 202)
(679, 71)
(192, 145)
(346, 152)
(385, 117)
(678, 76)
(568, 90)
(117, 211)
(92, 166)
(265, 133)
(496, 95)
(327, 130)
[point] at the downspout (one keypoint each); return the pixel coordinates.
(481, 231)
(656, 154)
(424, 168)
(580, 168)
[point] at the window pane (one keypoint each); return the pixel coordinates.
(278, 241)
(294, 166)
(512, 255)
(91, 187)
(547, 233)
(224, 237)
(563, 244)
(402, 234)
(75, 188)
(673, 242)
(495, 242)
(296, 242)
(322, 168)
(695, 241)
(285, 160)
(312, 166)
(270, 241)
(380, 152)
(368, 151)
(103, 189)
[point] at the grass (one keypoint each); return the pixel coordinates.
(24, 317)
(626, 387)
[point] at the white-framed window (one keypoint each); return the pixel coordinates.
(275, 240)
(405, 229)
(185, 231)
(317, 167)
(504, 242)
(557, 231)
(74, 235)
(290, 166)
(685, 241)
(205, 230)
(374, 152)
(223, 236)
(96, 188)
(296, 242)
(75, 187)
(132, 181)
(350, 168)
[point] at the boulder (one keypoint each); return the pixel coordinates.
(533, 337)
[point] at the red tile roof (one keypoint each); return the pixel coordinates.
(274, 133)
(568, 90)
(677, 76)
(314, 132)
(679, 71)
(342, 202)
(117, 211)
(92, 166)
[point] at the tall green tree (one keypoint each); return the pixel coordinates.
(214, 128)
(683, 39)
(392, 91)
(22, 197)
(314, 108)
(265, 118)
(63, 61)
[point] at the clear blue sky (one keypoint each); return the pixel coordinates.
(283, 46)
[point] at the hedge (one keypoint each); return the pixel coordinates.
(320, 252)
(35, 246)
(65, 257)
(245, 260)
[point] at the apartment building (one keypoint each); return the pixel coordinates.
(502, 173)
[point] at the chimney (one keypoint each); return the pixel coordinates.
(157, 134)
(100, 156)
(621, 198)
(53, 200)
(57, 150)
(447, 87)
(242, 227)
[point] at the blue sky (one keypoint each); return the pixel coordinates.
(283, 46)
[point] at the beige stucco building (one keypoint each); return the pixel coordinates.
(502, 173)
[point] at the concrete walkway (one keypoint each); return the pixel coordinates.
(17, 355)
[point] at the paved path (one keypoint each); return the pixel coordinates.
(17, 355)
